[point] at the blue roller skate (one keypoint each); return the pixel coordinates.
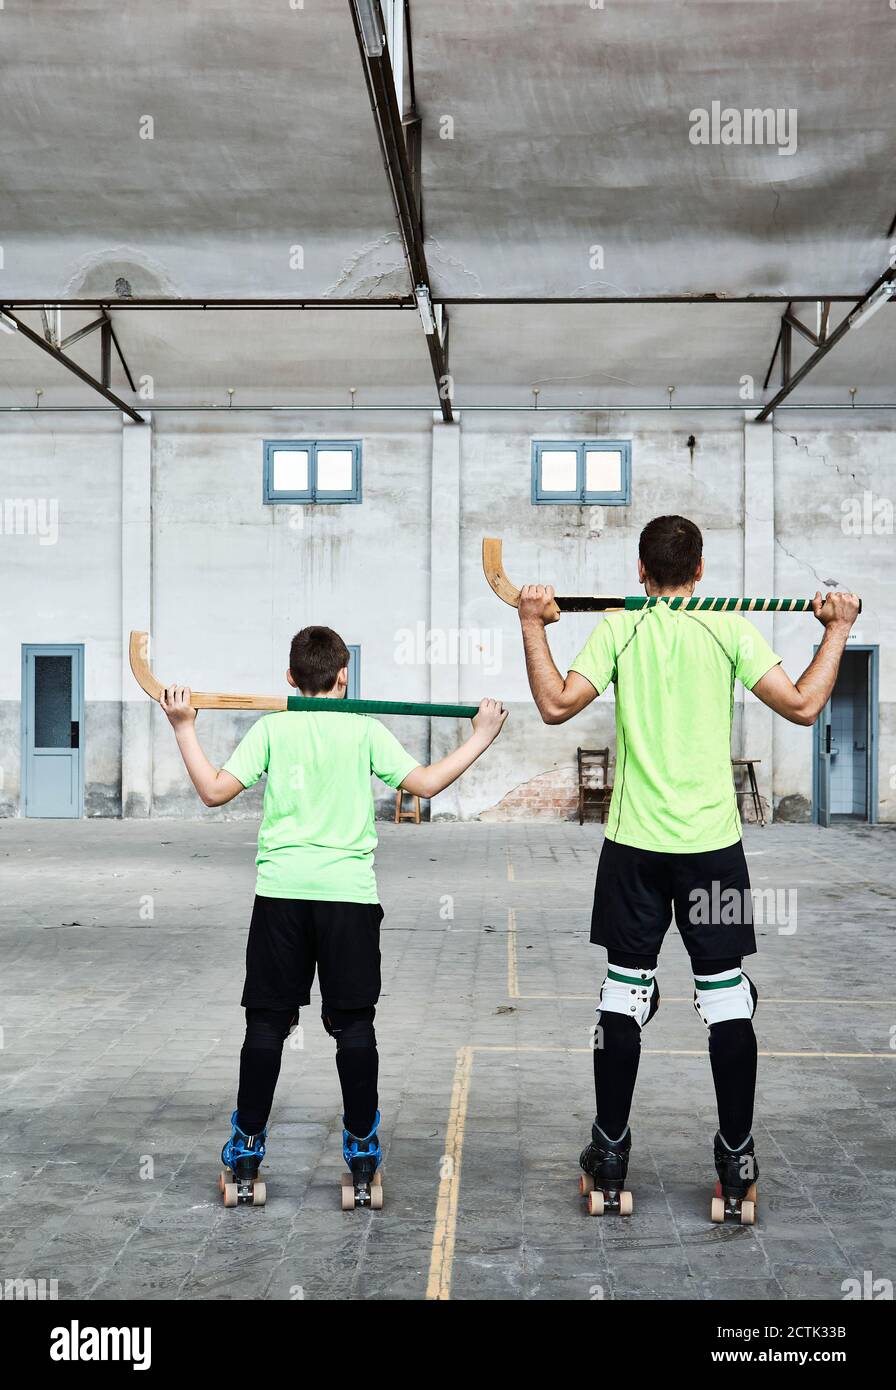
(362, 1185)
(241, 1156)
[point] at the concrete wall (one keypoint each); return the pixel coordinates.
(60, 567)
(164, 528)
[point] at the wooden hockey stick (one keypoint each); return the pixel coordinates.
(138, 651)
(493, 567)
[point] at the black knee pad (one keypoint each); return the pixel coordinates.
(266, 1029)
(350, 1027)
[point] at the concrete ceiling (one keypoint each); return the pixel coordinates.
(570, 129)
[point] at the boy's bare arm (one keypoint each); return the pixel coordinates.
(214, 787)
(803, 701)
(429, 781)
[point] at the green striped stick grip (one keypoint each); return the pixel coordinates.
(726, 605)
(301, 702)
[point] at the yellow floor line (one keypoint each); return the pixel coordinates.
(513, 984)
(441, 1262)
(688, 999)
(442, 1257)
(510, 874)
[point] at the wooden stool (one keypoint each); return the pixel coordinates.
(753, 788)
(401, 814)
(594, 780)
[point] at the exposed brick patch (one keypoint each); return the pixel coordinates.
(552, 795)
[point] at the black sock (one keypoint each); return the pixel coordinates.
(732, 1054)
(358, 1069)
(260, 1066)
(616, 1057)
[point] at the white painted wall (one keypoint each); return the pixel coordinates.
(231, 579)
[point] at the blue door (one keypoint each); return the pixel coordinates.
(824, 751)
(845, 781)
(52, 718)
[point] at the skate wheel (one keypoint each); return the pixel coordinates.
(747, 1212)
(751, 1194)
(595, 1204)
(376, 1196)
(586, 1184)
(718, 1209)
(348, 1195)
(259, 1194)
(626, 1204)
(377, 1179)
(221, 1181)
(231, 1194)
(718, 1191)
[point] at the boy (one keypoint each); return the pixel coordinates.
(316, 903)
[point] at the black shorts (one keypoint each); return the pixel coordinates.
(291, 937)
(637, 889)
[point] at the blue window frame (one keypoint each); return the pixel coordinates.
(354, 672)
(583, 471)
(312, 470)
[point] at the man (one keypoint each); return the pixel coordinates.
(673, 836)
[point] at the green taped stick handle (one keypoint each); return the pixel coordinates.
(303, 702)
(727, 605)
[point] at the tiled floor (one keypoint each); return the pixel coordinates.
(122, 945)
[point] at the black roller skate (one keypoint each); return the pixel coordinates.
(604, 1164)
(241, 1156)
(735, 1193)
(362, 1185)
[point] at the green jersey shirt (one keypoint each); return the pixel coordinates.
(674, 675)
(317, 832)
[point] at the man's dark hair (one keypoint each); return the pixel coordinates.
(670, 549)
(316, 656)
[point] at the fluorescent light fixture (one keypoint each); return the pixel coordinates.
(370, 22)
(863, 312)
(424, 304)
(8, 325)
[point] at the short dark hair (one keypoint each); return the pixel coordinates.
(316, 656)
(670, 549)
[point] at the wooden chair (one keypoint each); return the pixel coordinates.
(751, 789)
(411, 813)
(594, 780)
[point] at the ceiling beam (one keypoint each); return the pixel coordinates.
(64, 361)
(370, 32)
(790, 380)
(273, 304)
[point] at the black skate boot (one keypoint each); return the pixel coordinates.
(604, 1164)
(736, 1188)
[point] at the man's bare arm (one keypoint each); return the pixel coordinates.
(556, 699)
(803, 701)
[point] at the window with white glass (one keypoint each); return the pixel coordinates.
(582, 471)
(312, 470)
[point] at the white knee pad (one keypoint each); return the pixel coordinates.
(631, 992)
(729, 994)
